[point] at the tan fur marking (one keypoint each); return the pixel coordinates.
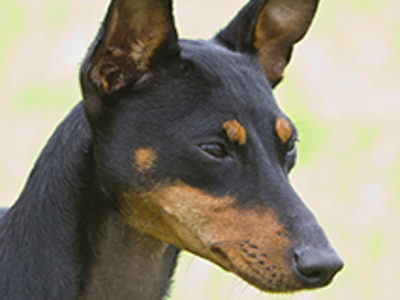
(144, 159)
(284, 129)
(249, 242)
(235, 131)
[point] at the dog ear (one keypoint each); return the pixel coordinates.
(136, 38)
(269, 28)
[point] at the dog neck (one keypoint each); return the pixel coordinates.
(129, 265)
(68, 241)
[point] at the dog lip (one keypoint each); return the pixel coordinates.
(235, 262)
(222, 257)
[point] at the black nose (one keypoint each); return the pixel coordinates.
(316, 267)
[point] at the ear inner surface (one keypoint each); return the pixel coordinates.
(281, 24)
(269, 28)
(134, 31)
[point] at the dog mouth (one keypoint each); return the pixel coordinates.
(274, 268)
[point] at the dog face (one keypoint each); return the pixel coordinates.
(191, 145)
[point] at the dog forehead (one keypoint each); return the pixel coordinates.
(217, 62)
(237, 80)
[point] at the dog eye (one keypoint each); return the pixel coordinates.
(291, 150)
(290, 145)
(215, 150)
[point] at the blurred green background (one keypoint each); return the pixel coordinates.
(342, 90)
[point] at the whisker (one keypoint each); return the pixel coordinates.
(238, 284)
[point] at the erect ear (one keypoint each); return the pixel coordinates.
(269, 28)
(137, 36)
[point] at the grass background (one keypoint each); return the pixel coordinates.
(342, 90)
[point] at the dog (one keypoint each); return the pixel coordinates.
(177, 145)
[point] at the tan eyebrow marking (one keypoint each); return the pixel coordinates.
(235, 131)
(284, 129)
(144, 159)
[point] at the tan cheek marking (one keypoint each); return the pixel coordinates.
(284, 129)
(183, 211)
(144, 159)
(235, 131)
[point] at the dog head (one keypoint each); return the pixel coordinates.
(191, 145)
